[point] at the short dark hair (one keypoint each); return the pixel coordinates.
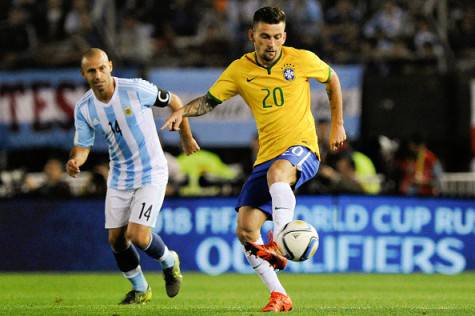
(269, 15)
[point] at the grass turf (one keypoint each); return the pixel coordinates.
(233, 294)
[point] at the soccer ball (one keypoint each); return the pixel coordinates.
(298, 240)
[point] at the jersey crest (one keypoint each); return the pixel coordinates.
(128, 110)
(289, 72)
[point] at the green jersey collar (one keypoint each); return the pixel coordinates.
(269, 69)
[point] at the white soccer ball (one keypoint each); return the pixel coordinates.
(298, 240)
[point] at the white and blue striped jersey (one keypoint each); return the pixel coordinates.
(126, 121)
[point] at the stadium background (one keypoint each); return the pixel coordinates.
(409, 73)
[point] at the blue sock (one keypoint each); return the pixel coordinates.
(127, 259)
(136, 277)
(159, 251)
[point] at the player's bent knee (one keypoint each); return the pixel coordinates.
(281, 171)
(139, 238)
(246, 235)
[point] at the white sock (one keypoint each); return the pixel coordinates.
(265, 272)
(283, 205)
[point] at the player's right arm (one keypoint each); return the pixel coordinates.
(83, 140)
(224, 88)
(78, 157)
(196, 107)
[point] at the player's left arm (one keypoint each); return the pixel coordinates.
(337, 131)
(188, 143)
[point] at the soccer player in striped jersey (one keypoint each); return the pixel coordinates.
(120, 109)
(274, 82)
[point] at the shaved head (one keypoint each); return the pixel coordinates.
(93, 53)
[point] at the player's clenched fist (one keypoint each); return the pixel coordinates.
(72, 167)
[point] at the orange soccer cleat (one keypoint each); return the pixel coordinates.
(269, 252)
(278, 302)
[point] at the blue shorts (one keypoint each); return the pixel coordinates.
(255, 192)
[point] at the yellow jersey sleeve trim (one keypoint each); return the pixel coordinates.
(329, 75)
(214, 98)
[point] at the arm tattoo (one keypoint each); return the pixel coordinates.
(198, 106)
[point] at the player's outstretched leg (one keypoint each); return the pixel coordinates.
(278, 302)
(169, 261)
(269, 277)
(269, 252)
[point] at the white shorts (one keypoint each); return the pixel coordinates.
(139, 206)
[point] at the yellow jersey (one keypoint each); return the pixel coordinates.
(278, 96)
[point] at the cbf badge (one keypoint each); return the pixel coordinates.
(289, 72)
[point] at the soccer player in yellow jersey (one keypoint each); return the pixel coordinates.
(274, 82)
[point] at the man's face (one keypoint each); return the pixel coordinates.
(268, 40)
(97, 70)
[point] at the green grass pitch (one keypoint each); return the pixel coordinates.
(233, 294)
